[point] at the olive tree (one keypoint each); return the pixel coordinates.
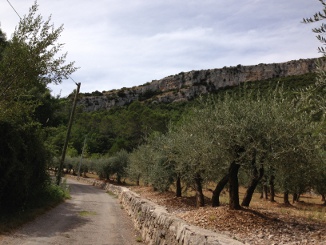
(141, 162)
(313, 98)
(248, 130)
(119, 164)
(190, 149)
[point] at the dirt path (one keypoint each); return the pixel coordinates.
(91, 217)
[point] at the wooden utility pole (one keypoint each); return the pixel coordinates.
(68, 135)
(81, 157)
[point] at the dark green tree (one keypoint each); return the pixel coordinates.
(3, 42)
(30, 60)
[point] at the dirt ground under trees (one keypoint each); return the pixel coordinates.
(263, 222)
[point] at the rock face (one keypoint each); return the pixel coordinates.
(188, 85)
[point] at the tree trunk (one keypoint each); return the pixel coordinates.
(298, 197)
(234, 186)
(218, 189)
(118, 179)
(295, 197)
(286, 198)
(271, 183)
(200, 202)
(323, 199)
(265, 189)
(251, 189)
(178, 187)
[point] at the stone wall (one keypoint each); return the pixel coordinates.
(156, 225)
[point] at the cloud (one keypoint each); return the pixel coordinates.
(125, 43)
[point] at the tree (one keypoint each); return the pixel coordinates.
(314, 97)
(320, 84)
(3, 43)
(320, 31)
(190, 149)
(31, 59)
(141, 161)
(119, 164)
(243, 130)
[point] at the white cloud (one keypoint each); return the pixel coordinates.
(125, 43)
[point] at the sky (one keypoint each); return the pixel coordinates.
(128, 43)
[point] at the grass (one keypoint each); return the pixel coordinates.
(51, 196)
(86, 213)
(139, 239)
(212, 218)
(8, 223)
(112, 194)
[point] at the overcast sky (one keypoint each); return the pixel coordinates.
(127, 43)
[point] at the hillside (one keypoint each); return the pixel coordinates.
(186, 86)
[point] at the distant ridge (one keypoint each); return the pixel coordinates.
(188, 85)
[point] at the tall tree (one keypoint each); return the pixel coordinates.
(3, 42)
(30, 60)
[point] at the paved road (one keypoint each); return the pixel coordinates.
(91, 217)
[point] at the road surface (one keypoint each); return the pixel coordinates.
(90, 217)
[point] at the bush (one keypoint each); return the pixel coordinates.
(23, 160)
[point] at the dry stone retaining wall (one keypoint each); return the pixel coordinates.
(156, 225)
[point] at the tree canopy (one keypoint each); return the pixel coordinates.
(29, 61)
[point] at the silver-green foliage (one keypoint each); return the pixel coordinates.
(268, 127)
(313, 98)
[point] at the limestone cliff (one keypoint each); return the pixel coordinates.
(187, 85)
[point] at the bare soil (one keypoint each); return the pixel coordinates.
(263, 222)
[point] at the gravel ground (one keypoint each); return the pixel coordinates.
(264, 224)
(91, 217)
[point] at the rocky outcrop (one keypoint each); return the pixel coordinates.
(187, 85)
(159, 227)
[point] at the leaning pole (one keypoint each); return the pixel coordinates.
(68, 135)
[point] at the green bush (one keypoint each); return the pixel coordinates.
(22, 165)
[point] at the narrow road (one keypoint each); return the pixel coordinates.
(91, 217)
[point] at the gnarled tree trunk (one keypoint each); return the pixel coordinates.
(271, 183)
(295, 197)
(218, 189)
(200, 202)
(254, 182)
(234, 186)
(323, 199)
(286, 198)
(118, 179)
(265, 190)
(178, 187)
